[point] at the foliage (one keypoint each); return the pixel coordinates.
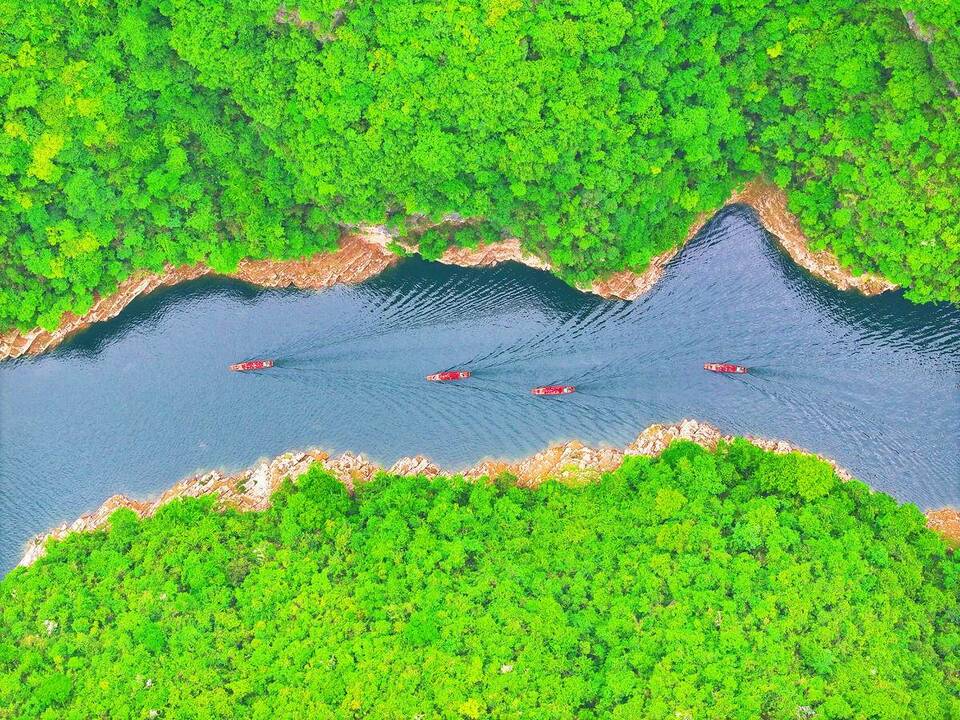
(732, 584)
(939, 23)
(174, 131)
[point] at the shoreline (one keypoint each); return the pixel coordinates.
(251, 489)
(364, 254)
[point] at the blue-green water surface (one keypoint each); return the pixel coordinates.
(136, 403)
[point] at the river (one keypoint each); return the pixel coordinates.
(134, 404)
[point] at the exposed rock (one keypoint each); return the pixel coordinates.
(655, 439)
(627, 285)
(291, 16)
(364, 254)
(508, 250)
(571, 462)
(927, 37)
(924, 35)
(770, 204)
(14, 343)
(357, 260)
(493, 254)
(418, 465)
(946, 521)
(352, 469)
(257, 486)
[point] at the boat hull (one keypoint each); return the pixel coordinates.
(728, 368)
(252, 365)
(449, 375)
(552, 390)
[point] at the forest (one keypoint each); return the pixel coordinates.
(728, 584)
(159, 132)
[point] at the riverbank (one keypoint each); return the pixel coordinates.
(571, 462)
(365, 254)
(357, 260)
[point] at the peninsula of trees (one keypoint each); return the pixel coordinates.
(136, 135)
(728, 584)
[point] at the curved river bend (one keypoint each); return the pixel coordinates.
(136, 403)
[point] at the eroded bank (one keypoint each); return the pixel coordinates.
(573, 461)
(365, 253)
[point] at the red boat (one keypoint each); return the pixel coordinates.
(554, 390)
(725, 368)
(449, 375)
(252, 365)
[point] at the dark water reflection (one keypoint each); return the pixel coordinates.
(134, 404)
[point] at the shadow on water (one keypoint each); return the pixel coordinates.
(146, 313)
(133, 404)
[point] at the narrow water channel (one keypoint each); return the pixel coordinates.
(134, 404)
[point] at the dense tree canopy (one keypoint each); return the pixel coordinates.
(938, 23)
(137, 134)
(729, 585)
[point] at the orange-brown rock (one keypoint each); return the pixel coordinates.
(770, 204)
(767, 200)
(251, 489)
(355, 261)
(492, 254)
(946, 521)
(571, 462)
(627, 285)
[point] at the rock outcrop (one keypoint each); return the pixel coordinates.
(946, 521)
(493, 254)
(365, 254)
(770, 204)
(571, 462)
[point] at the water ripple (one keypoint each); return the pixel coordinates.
(134, 404)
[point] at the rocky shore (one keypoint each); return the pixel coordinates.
(572, 461)
(357, 259)
(769, 202)
(365, 254)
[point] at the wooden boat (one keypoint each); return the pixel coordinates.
(725, 368)
(554, 390)
(448, 375)
(251, 365)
